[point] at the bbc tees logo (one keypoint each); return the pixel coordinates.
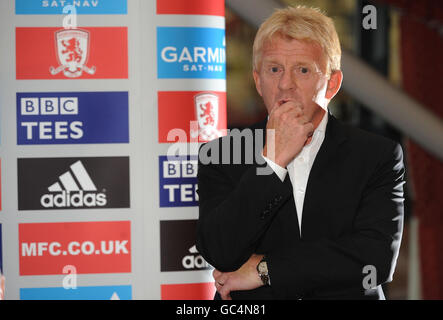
(72, 118)
(198, 7)
(82, 53)
(177, 246)
(73, 183)
(92, 247)
(191, 52)
(81, 6)
(178, 181)
(178, 109)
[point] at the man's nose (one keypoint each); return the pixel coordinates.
(286, 81)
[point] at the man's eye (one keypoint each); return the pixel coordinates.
(304, 70)
(274, 69)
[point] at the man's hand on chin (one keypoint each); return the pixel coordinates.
(245, 278)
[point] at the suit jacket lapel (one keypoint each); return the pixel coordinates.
(335, 135)
(321, 172)
(290, 202)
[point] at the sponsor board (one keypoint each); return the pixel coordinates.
(176, 110)
(178, 181)
(199, 7)
(91, 247)
(178, 252)
(81, 6)
(72, 118)
(84, 53)
(188, 291)
(73, 183)
(79, 293)
(190, 52)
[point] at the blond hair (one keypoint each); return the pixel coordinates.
(301, 23)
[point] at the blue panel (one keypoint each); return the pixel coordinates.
(185, 52)
(80, 293)
(81, 6)
(72, 118)
(178, 181)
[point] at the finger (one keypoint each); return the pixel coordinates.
(279, 109)
(216, 273)
(294, 113)
(309, 129)
(289, 111)
(218, 286)
(303, 120)
(225, 293)
(223, 278)
(291, 107)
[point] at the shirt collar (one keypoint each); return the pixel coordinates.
(318, 132)
(323, 123)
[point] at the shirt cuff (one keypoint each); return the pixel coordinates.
(279, 171)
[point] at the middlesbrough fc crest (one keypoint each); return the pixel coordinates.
(72, 47)
(206, 110)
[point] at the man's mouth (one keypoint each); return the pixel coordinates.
(282, 101)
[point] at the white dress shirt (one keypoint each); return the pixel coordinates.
(300, 167)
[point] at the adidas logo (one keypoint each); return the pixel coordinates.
(194, 261)
(74, 189)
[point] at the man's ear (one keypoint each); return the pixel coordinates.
(334, 84)
(257, 81)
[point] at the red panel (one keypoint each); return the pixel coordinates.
(36, 53)
(205, 7)
(91, 247)
(177, 108)
(188, 291)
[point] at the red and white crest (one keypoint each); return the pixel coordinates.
(206, 111)
(72, 47)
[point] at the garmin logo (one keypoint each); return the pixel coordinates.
(191, 52)
(74, 192)
(73, 183)
(199, 54)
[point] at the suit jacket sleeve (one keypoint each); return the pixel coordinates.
(227, 229)
(310, 267)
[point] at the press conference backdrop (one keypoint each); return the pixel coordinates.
(91, 105)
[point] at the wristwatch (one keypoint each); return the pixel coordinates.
(262, 269)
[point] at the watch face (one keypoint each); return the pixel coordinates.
(262, 267)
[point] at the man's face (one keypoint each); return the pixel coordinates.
(294, 70)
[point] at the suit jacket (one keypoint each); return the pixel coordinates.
(351, 224)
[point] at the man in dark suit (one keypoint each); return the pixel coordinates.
(318, 214)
